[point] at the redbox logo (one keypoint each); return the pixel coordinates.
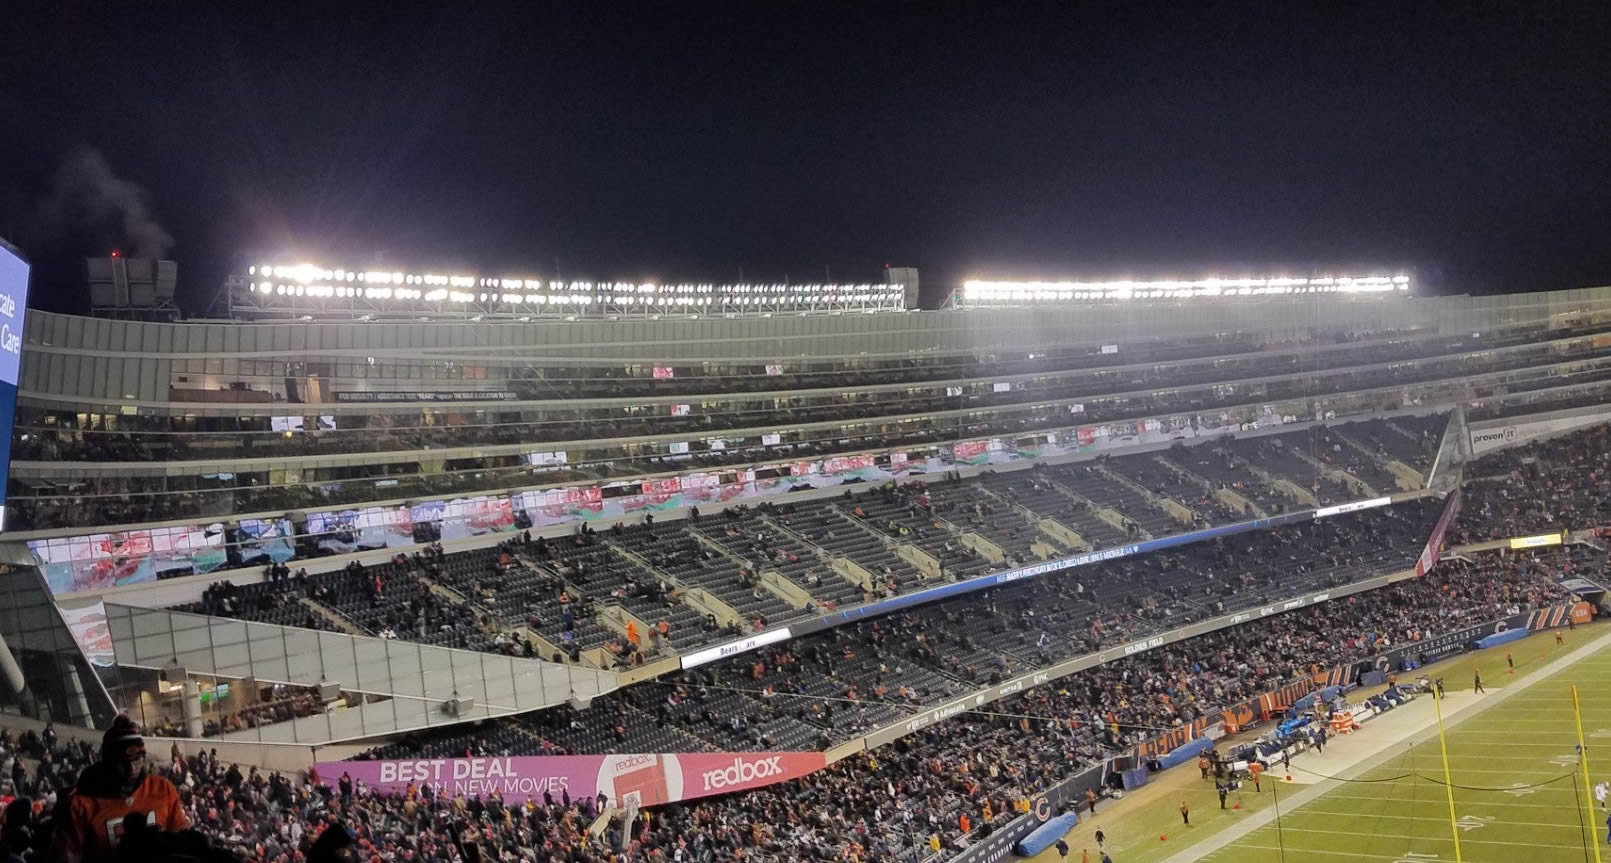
(742, 771)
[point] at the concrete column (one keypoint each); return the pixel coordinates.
(11, 675)
(77, 701)
(10, 670)
(192, 707)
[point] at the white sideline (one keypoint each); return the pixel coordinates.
(1264, 817)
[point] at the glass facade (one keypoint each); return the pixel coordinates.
(45, 676)
(191, 675)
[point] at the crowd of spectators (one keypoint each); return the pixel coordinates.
(1540, 487)
(556, 587)
(939, 788)
(1029, 624)
(274, 704)
(834, 685)
(943, 786)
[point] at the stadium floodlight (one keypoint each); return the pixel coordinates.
(508, 295)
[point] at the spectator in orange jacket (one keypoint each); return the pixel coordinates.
(110, 793)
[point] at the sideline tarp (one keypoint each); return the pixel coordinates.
(1185, 753)
(1046, 835)
(1499, 638)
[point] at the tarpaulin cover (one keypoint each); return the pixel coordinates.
(1501, 638)
(1046, 835)
(1186, 753)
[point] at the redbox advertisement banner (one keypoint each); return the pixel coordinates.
(646, 779)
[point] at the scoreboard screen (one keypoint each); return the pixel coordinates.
(13, 307)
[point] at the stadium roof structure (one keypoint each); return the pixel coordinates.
(313, 292)
(413, 681)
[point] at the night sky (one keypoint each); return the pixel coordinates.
(1470, 143)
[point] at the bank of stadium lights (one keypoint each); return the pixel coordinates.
(981, 291)
(308, 280)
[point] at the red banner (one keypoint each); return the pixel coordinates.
(846, 464)
(1434, 543)
(970, 449)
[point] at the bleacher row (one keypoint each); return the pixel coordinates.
(831, 686)
(776, 563)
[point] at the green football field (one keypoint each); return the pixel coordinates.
(1378, 795)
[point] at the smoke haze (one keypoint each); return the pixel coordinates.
(86, 193)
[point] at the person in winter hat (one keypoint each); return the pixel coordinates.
(110, 793)
(16, 832)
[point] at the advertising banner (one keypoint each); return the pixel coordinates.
(104, 560)
(626, 779)
(90, 632)
(1498, 435)
(475, 516)
(970, 452)
(1355, 506)
(434, 396)
(1540, 541)
(1548, 618)
(1434, 544)
(13, 310)
(266, 540)
(335, 532)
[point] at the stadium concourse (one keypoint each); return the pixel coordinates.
(933, 591)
